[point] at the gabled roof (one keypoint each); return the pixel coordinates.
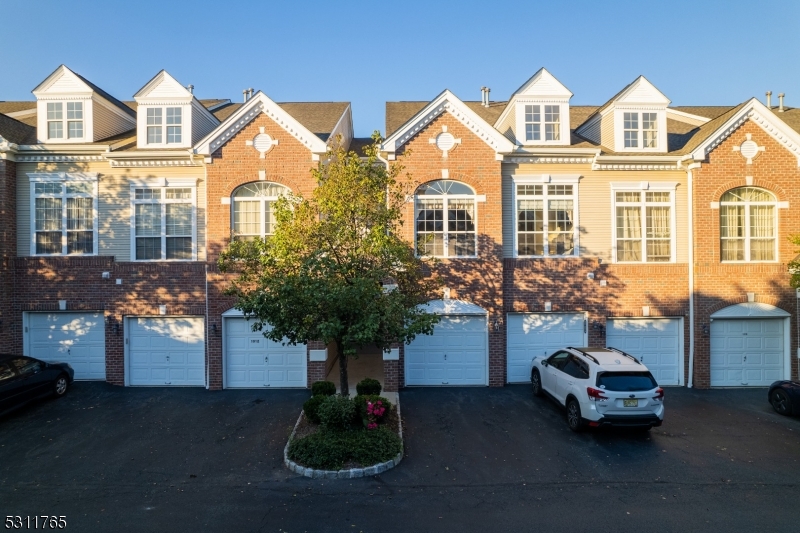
(543, 84)
(64, 79)
(723, 126)
(163, 85)
(639, 91)
(16, 132)
(447, 101)
(310, 116)
(398, 113)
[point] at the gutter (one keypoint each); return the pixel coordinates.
(690, 176)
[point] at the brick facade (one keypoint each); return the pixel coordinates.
(717, 284)
(9, 321)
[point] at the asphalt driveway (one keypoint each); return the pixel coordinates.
(477, 459)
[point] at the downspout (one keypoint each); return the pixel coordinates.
(689, 175)
(208, 332)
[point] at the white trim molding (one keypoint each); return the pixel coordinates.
(447, 102)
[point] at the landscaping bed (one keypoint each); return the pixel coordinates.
(339, 437)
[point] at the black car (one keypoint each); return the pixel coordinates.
(785, 397)
(24, 379)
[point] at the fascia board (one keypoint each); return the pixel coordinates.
(157, 80)
(447, 101)
(542, 72)
(763, 117)
(541, 150)
(688, 116)
(259, 103)
(62, 70)
(64, 148)
(114, 109)
(510, 107)
(638, 159)
(641, 80)
(345, 115)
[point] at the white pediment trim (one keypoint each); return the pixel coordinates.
(543, 85)
(641, 91)
(760, 115)
(750, 310)
(77, 85)
(448, 102)
(169, 88)
(259, 103)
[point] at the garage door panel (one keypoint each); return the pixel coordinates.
(74, 338)
(655, 341)
(455, 354)
(166, 351)
(253, 361)
(746, 352)
(533, 334)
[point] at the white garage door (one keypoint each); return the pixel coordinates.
(74, 338)
(253, 361)
(455, 354)
(654, 341)
(532, 334)
(166, 351)
(747, 352)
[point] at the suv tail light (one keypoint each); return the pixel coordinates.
(596, 394)
(659, 394)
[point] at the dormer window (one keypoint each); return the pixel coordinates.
(155, 127)
(533, 122)
(646, 129)
(55, 120)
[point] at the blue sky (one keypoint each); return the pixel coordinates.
(697, 52)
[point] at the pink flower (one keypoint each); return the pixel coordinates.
(372, 425)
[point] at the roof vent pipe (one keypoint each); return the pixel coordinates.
(191, 89)
(244, 95)
(483, 95)
(488, 90)
(780, 102)
(769, 99)
(250, 93)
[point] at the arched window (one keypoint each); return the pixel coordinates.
(445, 219)
(253, 215)
(748, 225)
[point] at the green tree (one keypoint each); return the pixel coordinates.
(794, 264)
(336, 269)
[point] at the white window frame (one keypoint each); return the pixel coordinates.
(747, 204)
(545, 180)
(63, 178)
(263, 200)
(445, 233)
(164, 127)
(563, 121)
(639, 111)
(163, 184)
(645, 187)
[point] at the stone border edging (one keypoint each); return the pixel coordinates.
(344, 474)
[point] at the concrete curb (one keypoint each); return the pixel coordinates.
(344, 474)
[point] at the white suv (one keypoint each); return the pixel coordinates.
(599, 387)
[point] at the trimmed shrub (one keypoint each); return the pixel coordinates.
(324, 449)
(330, 449)
(376, 446)
(311, 408)
(337, 412)
(368, 387)
(323, 388)
(376, 416)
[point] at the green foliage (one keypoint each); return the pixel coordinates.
(323, 388)
(320, 276)
(337, 412)
(368, 386)
(360, 402)
(311, 408)
(794, 265)
(330, 449)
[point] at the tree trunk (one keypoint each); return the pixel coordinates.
(343, 386)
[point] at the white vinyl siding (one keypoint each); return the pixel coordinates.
(201, 122)
(107, 123)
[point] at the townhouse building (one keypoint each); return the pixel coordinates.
(656, 229)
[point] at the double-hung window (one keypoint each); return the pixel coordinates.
(253, 213)
(63, 214)
(164, 222)
(56, 119)
(159, 118)
(748, 225)
(644, 131)
(546, 219)
(534, 125)
(644, 226)
(445, 215)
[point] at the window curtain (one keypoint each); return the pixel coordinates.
(762, 233)
(732, 233)
(629, 233)
(658, 234)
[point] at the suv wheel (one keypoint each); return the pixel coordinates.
(536, 383)
(574, 420)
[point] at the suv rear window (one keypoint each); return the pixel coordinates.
(626, 381)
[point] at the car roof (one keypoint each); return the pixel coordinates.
(611, 359)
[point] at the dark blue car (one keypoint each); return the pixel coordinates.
(24, 379)
(785, 397)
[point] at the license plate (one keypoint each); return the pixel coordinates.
(630, 403)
